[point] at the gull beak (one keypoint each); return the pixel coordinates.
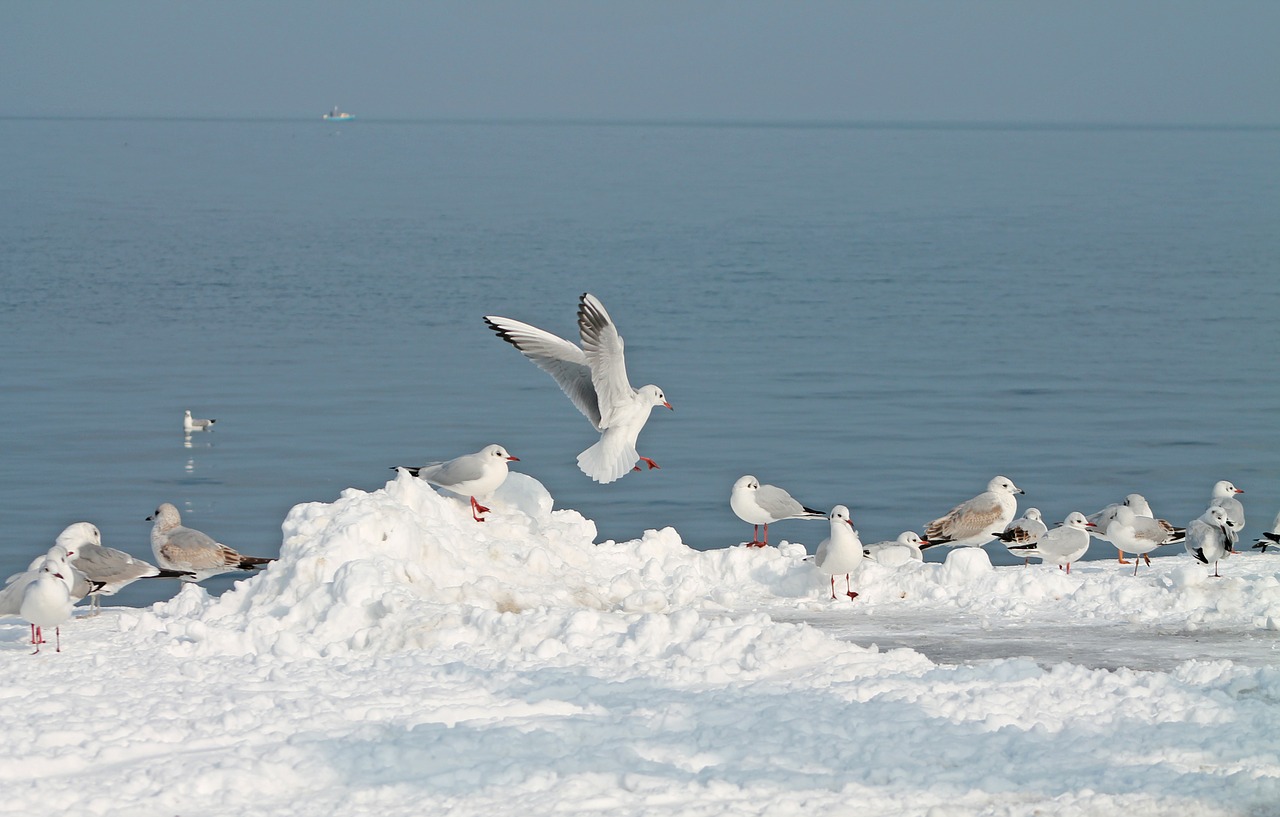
(513, 459)
(668, 405)
(1238, 490)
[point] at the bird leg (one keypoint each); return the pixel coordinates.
(1123, 560)
(755, 537)
(833, 587)
(848, 587)
(477, 509)
(651, 463)
(1145, 558)
(57, 634)
(1068, 568)
(765, 543)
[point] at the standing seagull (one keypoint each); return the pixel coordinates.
(977, 521)
(1140, 534)
(758, 505)
(1224, 496)
(594, 378)
(107, 569)
(46, 603)
(841, 552)
(471, 475)
(191, 551)
(1269, 538)
(1067, 543)
(190, 424)
(1139, 505)
(1023, 533)
(1210, 536)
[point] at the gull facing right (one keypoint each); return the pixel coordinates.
(594, 377)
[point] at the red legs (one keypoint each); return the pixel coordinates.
(1123, 560)
(652, 464)
(848, 587)
(477, 509)
(755, 537)
(37, 638)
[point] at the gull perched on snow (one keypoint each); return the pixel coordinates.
(906, 548)
(758, 505)
(1140, 535)
(1209, 537)
(1224, 496)
(78, 586)
(191, 551)
(107, 569)
(1269, 538)
(1067, 543)
(595, 379)
(470, 475)
(1023, 533)
(1139, 505)
(841, 552)
(190, 424)
(46, 602)
(978, 520)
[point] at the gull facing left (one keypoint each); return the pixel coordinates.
(594, 377)
(177, 547)
(190, 424)
(758, 505)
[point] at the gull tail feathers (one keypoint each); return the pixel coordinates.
(607, 461)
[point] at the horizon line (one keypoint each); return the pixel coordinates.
(677, 122)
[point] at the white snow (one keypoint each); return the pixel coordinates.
(401, 658)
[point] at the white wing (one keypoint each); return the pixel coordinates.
(556, 356)
(602, 346)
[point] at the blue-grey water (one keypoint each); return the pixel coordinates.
(883, 317)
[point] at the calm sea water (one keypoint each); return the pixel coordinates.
(881, 317)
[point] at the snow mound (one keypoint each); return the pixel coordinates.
(405, 567)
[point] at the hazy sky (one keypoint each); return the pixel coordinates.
(1157, 61)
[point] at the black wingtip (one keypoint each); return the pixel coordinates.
(165, 573)
(1199, 554)
(815, 513)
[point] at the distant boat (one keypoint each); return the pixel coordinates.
(337, 114)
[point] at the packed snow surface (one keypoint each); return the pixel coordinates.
(401, 658)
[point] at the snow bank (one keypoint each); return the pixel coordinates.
(405, 567)
(400, 658)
